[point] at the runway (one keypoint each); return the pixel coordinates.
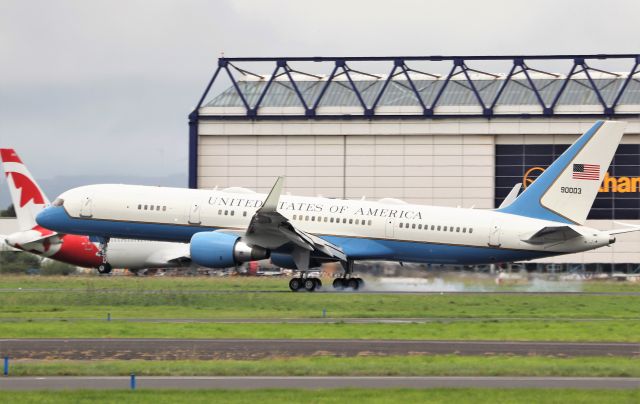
(247, 349)
(327, 382)
(328, 290)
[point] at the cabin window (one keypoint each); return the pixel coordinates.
(413, 226)
(244, 214)
(158, 208)
(164, 208)
(357, 221)
(313, 218)
(439, 228)
(369, 222)
(306, 218)
(419, 226)
(220, 211)
(344, 221)
(139, 207)
(350, 221)
(451, 229)
(464, 229)
(444, 228)
(331, 220)
(294, 217)
(145, 207)
(326, 219)
(151, 207)
(457, 230)
(400, 225)
(233, 212)
(470, 230)
(226, 212)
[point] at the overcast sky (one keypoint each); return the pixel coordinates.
(105, 87)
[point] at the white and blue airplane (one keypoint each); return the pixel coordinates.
(231, 226)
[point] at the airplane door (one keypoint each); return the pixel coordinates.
(194, 214)
(388, 227)
(494, 235)
(87, 208)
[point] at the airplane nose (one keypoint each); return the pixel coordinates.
(50, 218)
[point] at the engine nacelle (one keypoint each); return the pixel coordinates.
(222, 250)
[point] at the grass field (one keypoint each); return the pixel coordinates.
(70, 307)
(439, 365)
(614, 331)
(374, 396)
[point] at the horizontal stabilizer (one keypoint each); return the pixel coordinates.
(553, 234)
(629, 228)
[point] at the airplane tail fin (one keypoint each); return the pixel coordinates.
(27, 197)
(565, 191)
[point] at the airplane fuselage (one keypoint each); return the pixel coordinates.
(372, 230)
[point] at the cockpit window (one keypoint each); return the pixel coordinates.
(58, 202)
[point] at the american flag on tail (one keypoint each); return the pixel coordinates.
(586, 172)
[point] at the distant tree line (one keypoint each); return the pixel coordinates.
(8, 212)
(25, 263)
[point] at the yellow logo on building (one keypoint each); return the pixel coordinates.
(621, 185)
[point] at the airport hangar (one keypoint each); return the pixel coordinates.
(463, 138)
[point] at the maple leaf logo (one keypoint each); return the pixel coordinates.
(28, 190)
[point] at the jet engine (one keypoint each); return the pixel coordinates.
(222, 250)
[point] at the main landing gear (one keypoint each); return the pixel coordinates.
(105, 267)
(348, 283)
(309, 284)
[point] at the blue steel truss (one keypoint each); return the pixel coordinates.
(459, 71)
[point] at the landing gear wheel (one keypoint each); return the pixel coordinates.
(338, 283)
(104, 268)
(295, 284)
(318, 283)
(353, 283)
(360, 283)
(310, 284)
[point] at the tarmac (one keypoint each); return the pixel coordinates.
(327, 382)
(247, 349)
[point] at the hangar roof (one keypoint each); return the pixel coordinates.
(458, 92)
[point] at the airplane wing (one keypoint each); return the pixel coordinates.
(175, 255)
(270, 229)
(552, 234)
